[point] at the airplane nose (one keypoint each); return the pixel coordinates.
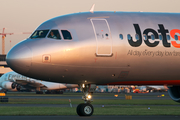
(19, 59)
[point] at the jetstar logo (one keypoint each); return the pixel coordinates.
(161, 31)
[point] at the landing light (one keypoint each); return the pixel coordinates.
(89, 96)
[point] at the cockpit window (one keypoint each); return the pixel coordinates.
(66, 34)
(39, 34)
(54, 34)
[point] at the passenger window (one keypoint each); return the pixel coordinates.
(66, 34)
(54, 34)
(168, 37)
(152, 37)
(137, 37)
(175, 37)
(129, 37)
(145, 37)
(121, 36)
(39, 34)
(160, 37)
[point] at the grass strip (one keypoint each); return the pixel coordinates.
(110, 110)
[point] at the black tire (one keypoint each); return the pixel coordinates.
(78, 109)
(86, 109)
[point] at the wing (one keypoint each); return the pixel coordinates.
(29, 83)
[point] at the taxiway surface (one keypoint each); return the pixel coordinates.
(148, 96)
(90, 118)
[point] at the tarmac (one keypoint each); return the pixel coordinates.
(90, 118)
(149, 96)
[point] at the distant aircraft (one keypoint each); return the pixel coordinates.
(103, 48)
(156, 88)
(13, 81)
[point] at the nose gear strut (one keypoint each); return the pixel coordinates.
(86, 109)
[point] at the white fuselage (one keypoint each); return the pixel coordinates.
(103, 48)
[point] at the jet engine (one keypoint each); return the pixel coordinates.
(8, 86)
(14, 85)
(18, 87)
(174, 93)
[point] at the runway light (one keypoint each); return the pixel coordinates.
(116, 95)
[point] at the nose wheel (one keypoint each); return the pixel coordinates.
(86, 109)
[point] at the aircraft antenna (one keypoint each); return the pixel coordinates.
(92, 8)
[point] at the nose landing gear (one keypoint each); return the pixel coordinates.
(86, 109)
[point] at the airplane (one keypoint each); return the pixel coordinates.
(103, 48)
(13, 81)
(156, 88)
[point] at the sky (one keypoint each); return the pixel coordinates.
(18, 16)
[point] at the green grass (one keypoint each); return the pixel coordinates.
(116, 110)
(138, 110)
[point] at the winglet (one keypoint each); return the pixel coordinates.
(92, 8)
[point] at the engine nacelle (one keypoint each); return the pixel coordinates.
(8, 86)
(18, 87)
(174, 93)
